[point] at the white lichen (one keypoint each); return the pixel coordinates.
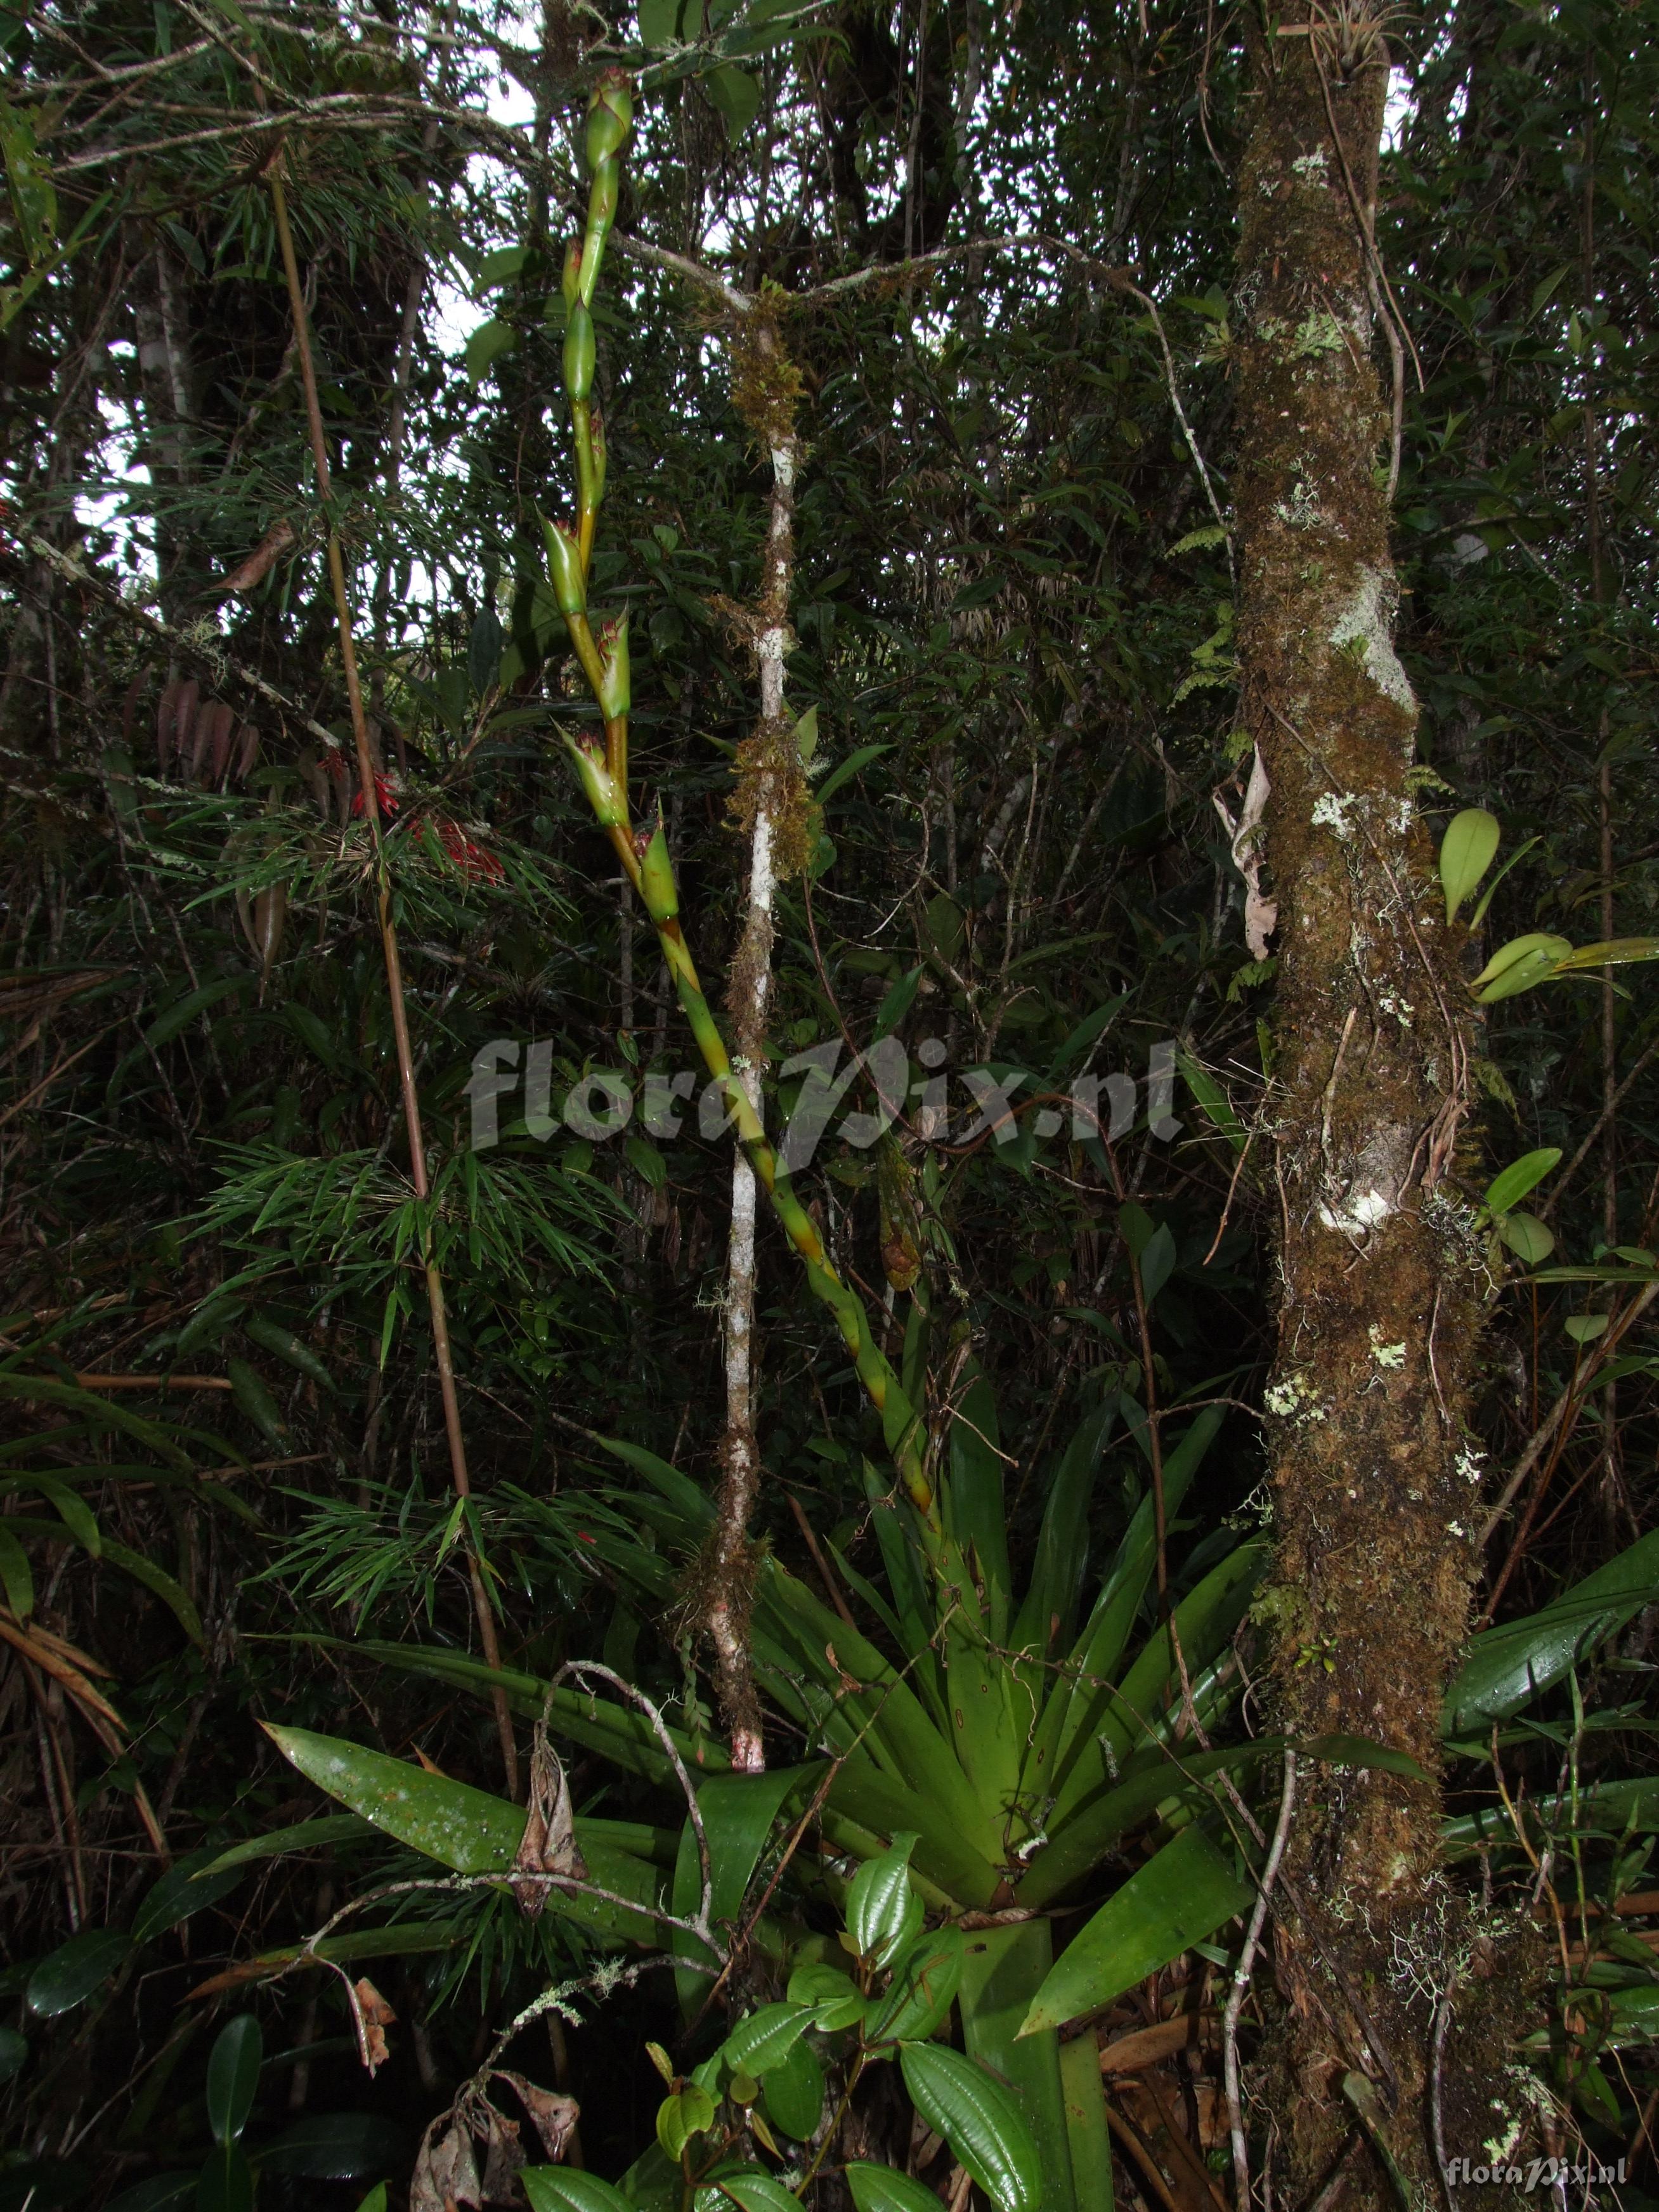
(1310, 165)
(1358, 1212)
(1386, 1355)
(1367, 621)
(1330, 812)
(1292, 1400)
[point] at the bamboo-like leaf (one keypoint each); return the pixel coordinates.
(1467, 852)
(1178, 1898)
(980, 2120)
(304, 1835)
(98, 1413)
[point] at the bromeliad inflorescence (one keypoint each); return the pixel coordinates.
(602, 766)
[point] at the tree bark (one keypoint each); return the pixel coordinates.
(1373, 1476)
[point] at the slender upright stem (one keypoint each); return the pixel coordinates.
(369, 788)
(643, 852)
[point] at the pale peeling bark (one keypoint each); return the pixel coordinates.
(1373, 1476)
(727, 1610)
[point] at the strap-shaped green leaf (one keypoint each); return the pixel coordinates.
(739, 1812)
(463, 1827)
(1508, 1666)
(1178, 1898)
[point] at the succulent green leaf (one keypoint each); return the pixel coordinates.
(1509, 1188)
(981, 2121)
(1519, 965)
(1609, 952)
(1467, 851)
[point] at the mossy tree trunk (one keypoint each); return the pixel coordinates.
(1380, 1277)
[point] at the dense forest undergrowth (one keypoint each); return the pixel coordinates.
(827, 1105)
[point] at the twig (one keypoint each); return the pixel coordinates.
(1242, 1974)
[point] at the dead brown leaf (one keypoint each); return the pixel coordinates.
(549, 1843)
(445, 2173)
(277, 541)
(374, 2015)
(555, 2115)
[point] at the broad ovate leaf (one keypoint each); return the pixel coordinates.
(980, 2121)
(1466, 853)
(880, 2188)
(753, 2191)
(835, 2002)
(233, 2076)
(882, 1911)
(560, 2189)
(926, 1978)
(1527, 1238)
(765, 2038)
